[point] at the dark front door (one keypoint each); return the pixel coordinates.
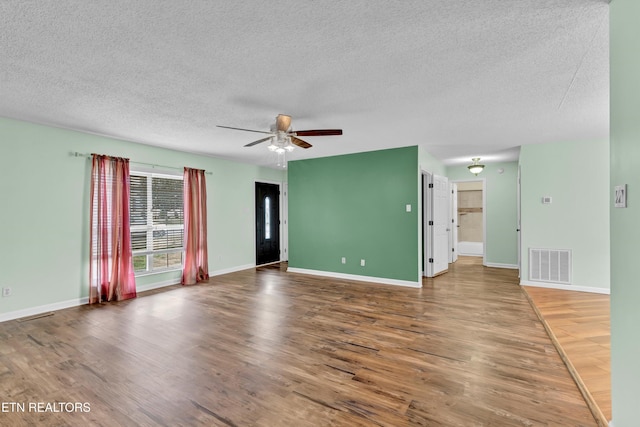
(267, 223)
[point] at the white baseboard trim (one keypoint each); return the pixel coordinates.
(370, 279)
(499, 265)
(566, 287)
(176, 281)
(232, 269)
(474, 254)
(157, 285)
(34, 311)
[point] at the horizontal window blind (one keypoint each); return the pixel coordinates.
(138, 200)
(157, 222)
(166, 196)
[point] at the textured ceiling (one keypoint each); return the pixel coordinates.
(464, 78)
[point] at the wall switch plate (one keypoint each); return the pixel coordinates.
(547, 200)
(361, 263)
(620, 192)
(408, 208)
(6, 292)
(344, 260)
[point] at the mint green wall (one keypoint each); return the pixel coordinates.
(576, 176)
(501, 213)
(625, 223)
(353, 206)
(45, 198)
(430, 164)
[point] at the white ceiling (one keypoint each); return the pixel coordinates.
(464, 78)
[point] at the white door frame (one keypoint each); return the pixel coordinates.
(284, 222)
(519, 220)
(484, 213)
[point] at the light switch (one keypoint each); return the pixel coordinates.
(408, 208)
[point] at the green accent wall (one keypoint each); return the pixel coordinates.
(45, 214)
(625, 222)
(353, 206)
(501, 209)
(576, 176)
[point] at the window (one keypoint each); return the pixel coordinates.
(157, 222)
(267, 218)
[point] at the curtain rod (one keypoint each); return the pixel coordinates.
(88, 156)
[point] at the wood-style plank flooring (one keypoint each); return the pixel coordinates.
(580, 322)
(268, 348)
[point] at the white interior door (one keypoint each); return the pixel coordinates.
(441, 224)
(426, 228)
(453, 245)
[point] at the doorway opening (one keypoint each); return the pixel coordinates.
(470, 218)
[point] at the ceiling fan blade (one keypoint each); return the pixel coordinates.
(319, 132)
(251, 144)
(246, 130)
(300, 143)
(283, 122)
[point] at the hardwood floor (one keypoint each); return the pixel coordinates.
(267, 348)
(580, 324)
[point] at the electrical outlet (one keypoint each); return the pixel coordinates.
(344, 260)
(6, 292)
(361, 263)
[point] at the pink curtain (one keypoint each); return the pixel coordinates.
(196, 264)
(111, 268)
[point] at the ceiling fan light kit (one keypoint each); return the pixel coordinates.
(283, 138)
(281, 143)
(476, 167)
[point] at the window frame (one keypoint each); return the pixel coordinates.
(149, 228)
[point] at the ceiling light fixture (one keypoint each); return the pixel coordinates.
(476, 167)
(281, 144)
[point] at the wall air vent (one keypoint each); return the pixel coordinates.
(550, 265)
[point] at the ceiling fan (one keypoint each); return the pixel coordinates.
(283, 137)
